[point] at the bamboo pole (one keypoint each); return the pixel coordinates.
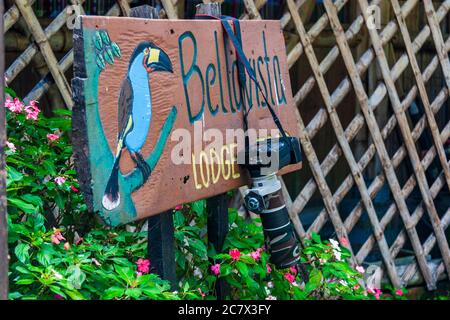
(345, 146)
(357, 123)
(46, 50)
(124, 7)
(408, 139)
(308, 150)
(27, 55)
(379, 145)
(421, 84)
(3, 223)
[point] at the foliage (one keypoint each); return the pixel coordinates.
(58, 250)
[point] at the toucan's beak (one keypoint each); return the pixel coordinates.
(157, 60)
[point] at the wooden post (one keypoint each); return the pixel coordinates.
(3, 225)
(217, 207)
(161, 245)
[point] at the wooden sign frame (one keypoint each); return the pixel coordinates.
(102, 55)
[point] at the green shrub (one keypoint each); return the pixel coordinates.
(58, 250)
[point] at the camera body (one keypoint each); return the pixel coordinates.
(258, 158)
(263, 160)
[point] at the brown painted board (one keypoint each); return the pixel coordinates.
(145, 93)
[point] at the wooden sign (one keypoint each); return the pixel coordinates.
(158, 108)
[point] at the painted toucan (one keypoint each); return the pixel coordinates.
(135, 112)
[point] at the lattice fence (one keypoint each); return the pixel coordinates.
(302, 31)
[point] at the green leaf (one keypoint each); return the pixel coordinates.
(113, 292)
(125, 273)
(76, 277)
(242, 268)
(22, 205)
(134, 293)
(22, 252)
(316, 237)
(75, 295)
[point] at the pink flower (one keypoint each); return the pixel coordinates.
(32, 110)
(201, 292)
(289, 277)
(356, 287)
(215, 269)
(143, 265)
(52, 136)
(344, 241)
(375, 291)
(66, 246)
(399, 292)
(57, 236)
(60, 180)
(235, 254)
(11, 146)
(268, 268)
(58, 296)
(14, 105)
(74, 189)
(293, 270)
(138, 274)
(95, 261)
(179, 207)
(360, 269)
(256, 255)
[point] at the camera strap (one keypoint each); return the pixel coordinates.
(244, 65)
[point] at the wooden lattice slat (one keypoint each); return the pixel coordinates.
(421, 86)
(296, 17)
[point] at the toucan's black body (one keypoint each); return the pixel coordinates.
(134, 114)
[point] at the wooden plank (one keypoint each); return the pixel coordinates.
(408, 139)
(421, 85)
(382, 153)
(3, 205)
(309, 152)
(183, 107)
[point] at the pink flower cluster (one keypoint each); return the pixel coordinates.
(290, 275)
(11, 146)
(256, 255)
(235, 254)
(60, 180)
(215, 269)
(32, 111)
(52, 136)
(143, 265)
(57, 236)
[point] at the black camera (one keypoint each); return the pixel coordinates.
(263, 160)
(270, 155)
